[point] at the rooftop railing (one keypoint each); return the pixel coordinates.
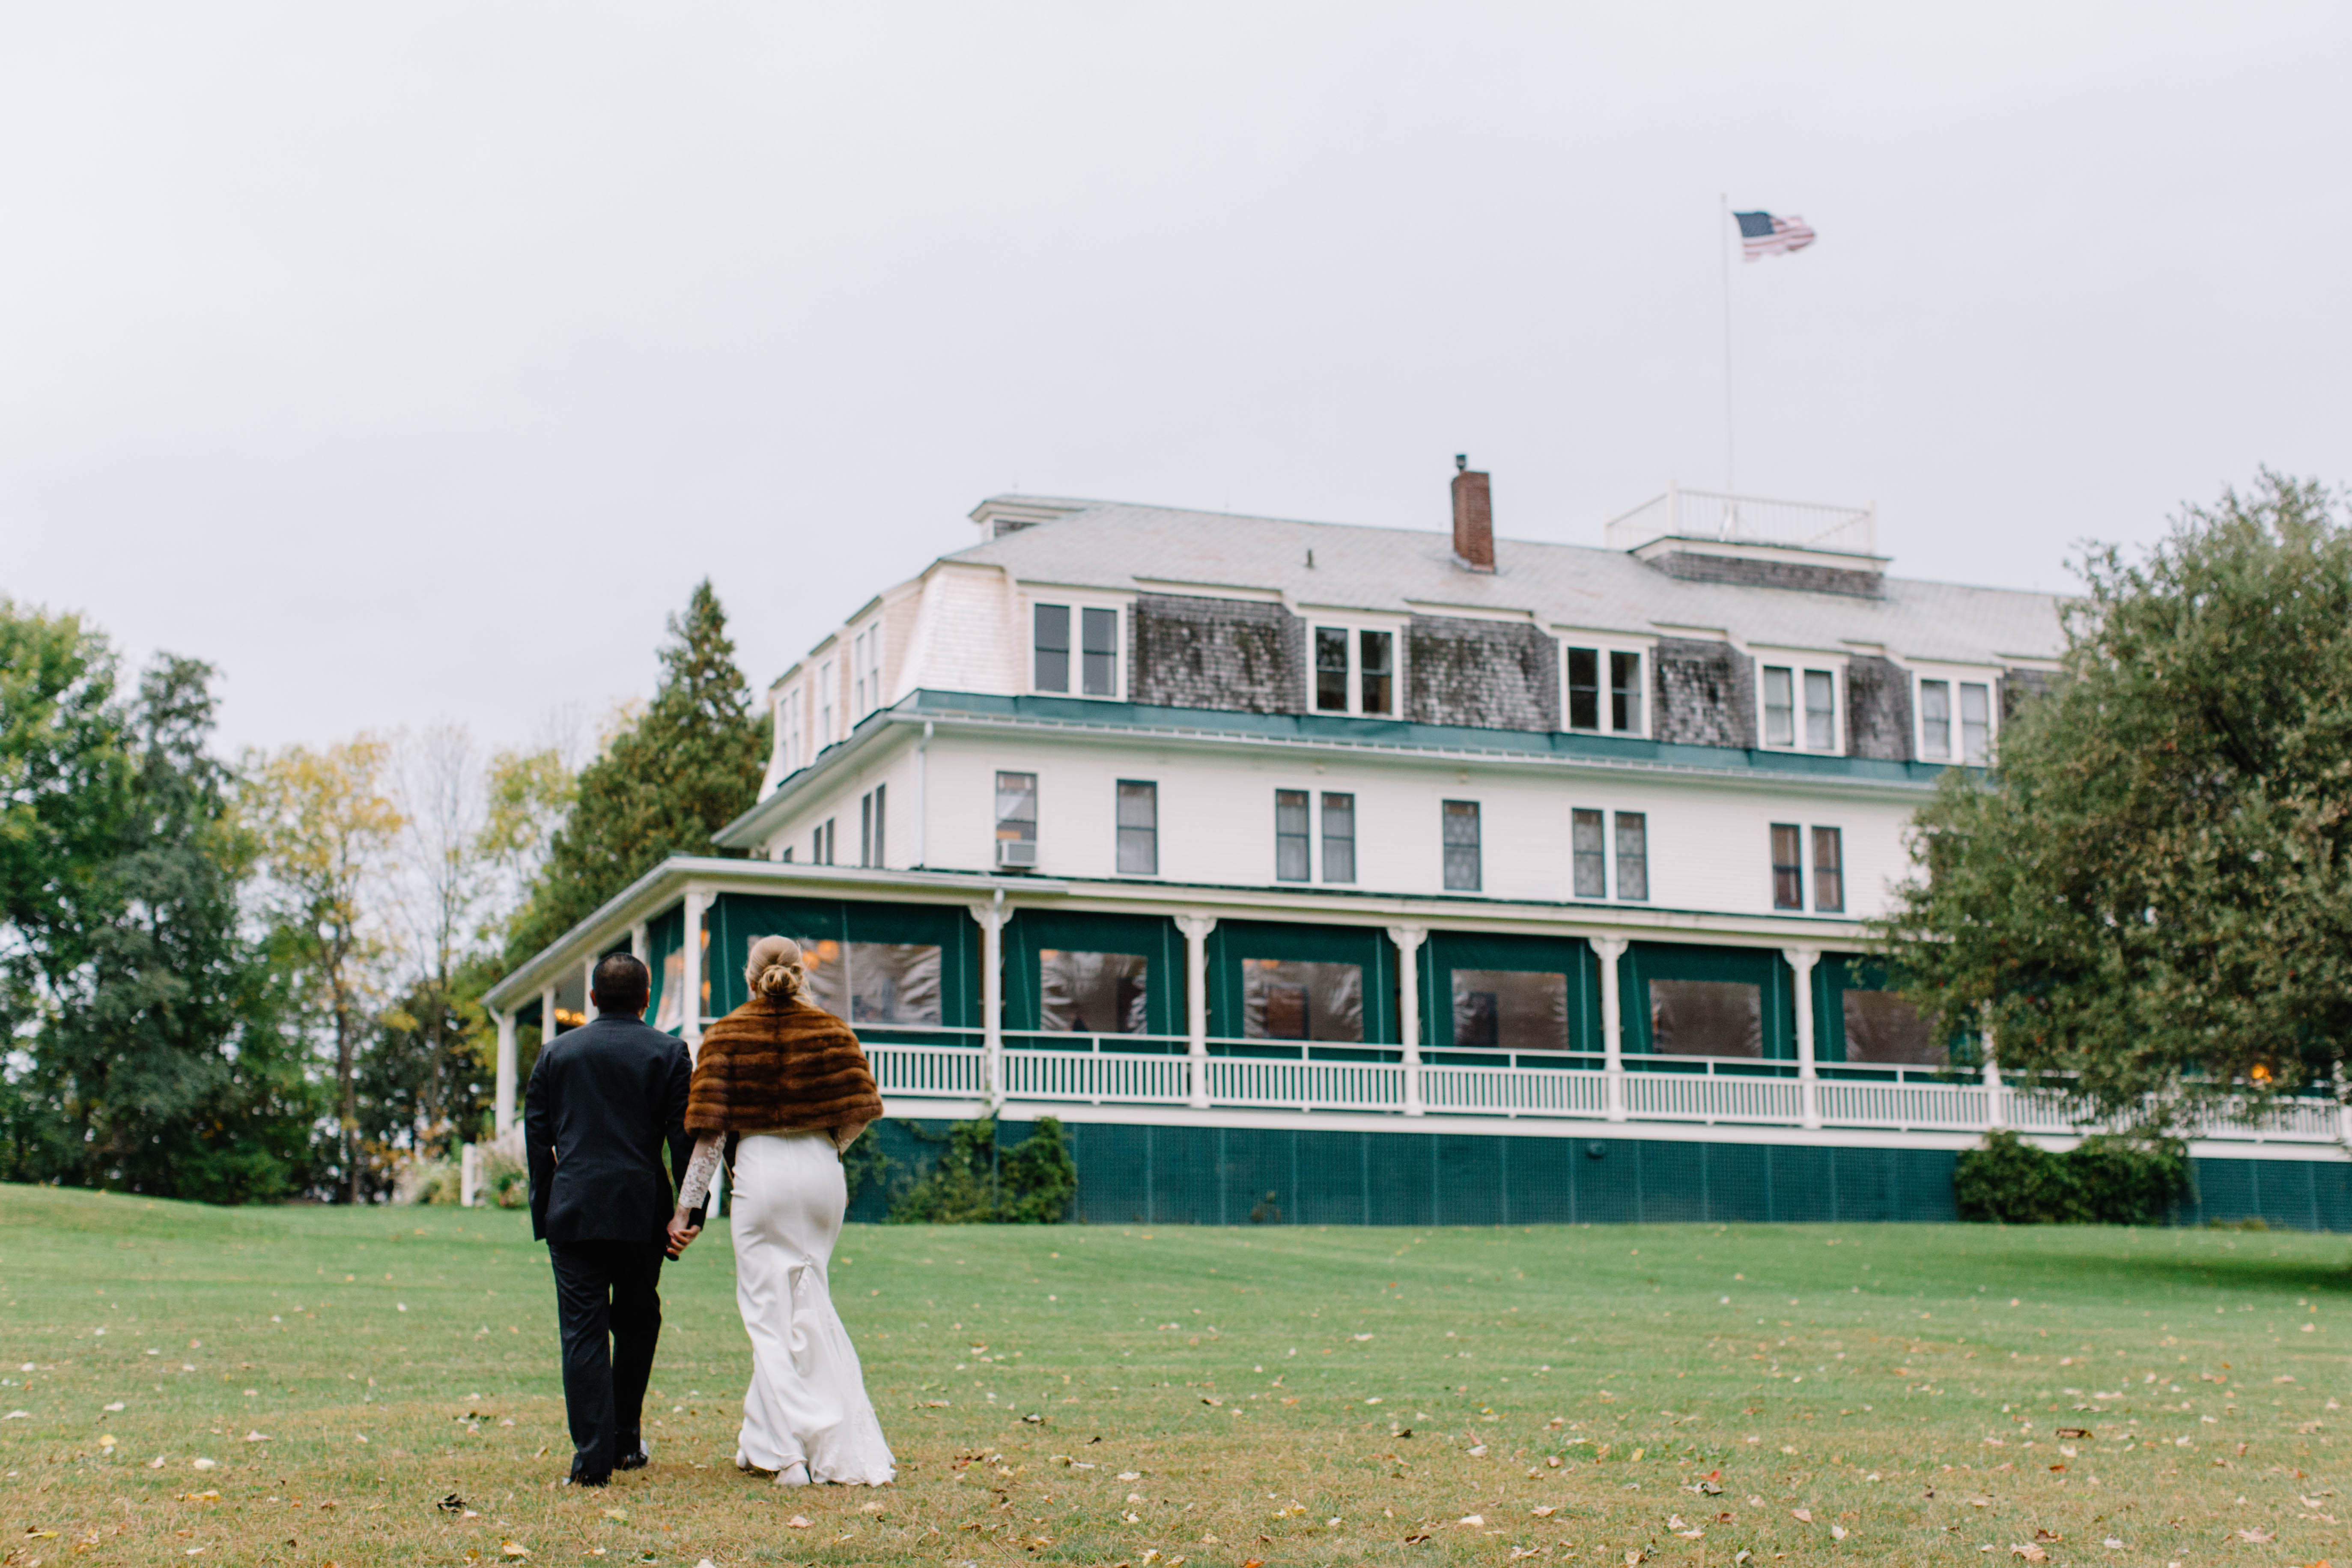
(1746, 520)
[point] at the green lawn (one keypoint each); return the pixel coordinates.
(1099, 1395)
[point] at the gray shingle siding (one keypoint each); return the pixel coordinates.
(1488, 675)
(1702, 693)
(1237, 654)
(1739, 572)
(2020, 685)
(1878, 710)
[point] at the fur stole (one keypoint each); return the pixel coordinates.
(770, 1066)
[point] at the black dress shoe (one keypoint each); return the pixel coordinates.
(637, 1459)
(587, 1480)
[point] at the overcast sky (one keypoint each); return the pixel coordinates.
(413, 361)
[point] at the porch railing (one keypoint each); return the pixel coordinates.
(919, 1063)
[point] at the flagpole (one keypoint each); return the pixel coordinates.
(1724, 216)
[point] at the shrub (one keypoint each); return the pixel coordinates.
(2103, 1180)
(975, 1181)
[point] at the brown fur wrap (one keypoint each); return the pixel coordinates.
(773, 1065)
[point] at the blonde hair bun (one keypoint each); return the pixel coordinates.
(775, 971)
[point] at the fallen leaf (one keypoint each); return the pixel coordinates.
(1417, 1538)
(453, 1503)
(618, 1515)
(797, 1522)
(1801, 1515)
(1545, 1512)
(200, 1464)
(2048, 1536)
(1472, 1518)
(2031, 1553)
(512, 1549)
(2254, 1537)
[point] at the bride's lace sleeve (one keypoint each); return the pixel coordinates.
(698, 1172)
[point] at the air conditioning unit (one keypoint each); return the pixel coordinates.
(1017, 853)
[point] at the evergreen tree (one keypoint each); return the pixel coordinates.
(664, 785)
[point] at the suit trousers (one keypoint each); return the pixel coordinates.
(608, 1310)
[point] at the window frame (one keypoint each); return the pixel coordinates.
(1599, 856)
(1121, 827)
(1617, 857)
(1832, 876)
(826, 696)
(1450, 812)
(1797, 664)
(1788, 895)
(1955, 678)
(1076, 604)
(1357, 627)
(1325, 839)
(995, 808)
(1302, 803)
(1606, 649)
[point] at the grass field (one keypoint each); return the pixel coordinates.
(307, 1385)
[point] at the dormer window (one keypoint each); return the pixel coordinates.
(1604, 691)
(1800, 709)
(1097, 649)
(1936, 737)
(1355, 671)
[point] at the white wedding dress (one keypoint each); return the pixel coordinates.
(807, 1403)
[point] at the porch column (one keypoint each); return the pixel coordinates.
(1809, 1089)
(689, 977)
(588, 986)
(503, 1117)
(1196, 930)
(1995, 1096)
(991, 916)
(1408, 939)
(547, 1018)
(641, 945)
(1612, 1040)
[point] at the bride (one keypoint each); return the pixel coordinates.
(783, 1085)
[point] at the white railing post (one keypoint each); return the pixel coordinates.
(503, 1115)
(991, 916)
(1408, 939)
(1196, 930)
(1612, 1037)
(641, 945)
(689, 975)
(547, 1018)
(1809, 1089)
(1996, 1097)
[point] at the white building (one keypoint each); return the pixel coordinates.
(1341, 872)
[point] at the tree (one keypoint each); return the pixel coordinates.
(661, 786)
(325, 828)
(447, 874)
(2153, 895)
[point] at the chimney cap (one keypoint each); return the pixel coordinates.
(1460, 461)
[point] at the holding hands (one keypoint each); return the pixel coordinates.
(682, 1232)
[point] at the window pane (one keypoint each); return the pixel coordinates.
(1626, 692)
(1284, 999)
(1138, 827)
(894, 983)
(1290, 836)
(1788, 868)
(826, 965)
(1331, 669)
(1091, 993)
(1976, 724)
(1820, 711)
(1053, 648)
(1016, 807)
(1461, 840)
(1589, 853)
(1828, 870)
(1883, 1027)
(1780, 708)
(1339, 837)
(1632, 855)
(1935, 720)
(1376, 660)
(1583, 688)
(1512, 1009)
(1101, 630)
(1706, 1018)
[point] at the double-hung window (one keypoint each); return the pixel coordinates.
(1355, 671)
(1975, 713)
(1788, 867)
(1339, 837)
(1050, 644)
(1828, 870)
(1801, 708)
(870, 819)
(1016, 821)
(1604, 691)
(788, 712)
(821, 844)
(824, 698)
(1050, 649)
(1459, 819)
(1590, 850)
(1293, 840)
(1139, 828)
(1590, 846)
(857, 699)
(1633, 855)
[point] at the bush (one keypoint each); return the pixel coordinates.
(975, 1181)
(2103, 1180)
(505, 1182)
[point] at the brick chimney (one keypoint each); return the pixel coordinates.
(1474, 518)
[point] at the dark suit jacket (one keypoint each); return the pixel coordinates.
(603, 1100)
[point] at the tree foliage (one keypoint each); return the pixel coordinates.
(663, 786)
(2154, 893)
(2100, 1181)
(976, 1181)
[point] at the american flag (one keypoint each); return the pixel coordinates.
(1762, 234)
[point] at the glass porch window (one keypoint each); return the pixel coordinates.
(1779, 706)
(1589, 850)
(1051, 646)
(1291, 841)
(1632, 855)
(1331, 669)
(1935, 720)
(1510, 1009)
(1821, 710)
(1882, 1028)
(1459, 819)
(1099, 630)
(1976, 724)
(1828, 870)
(1583, 688)
(1289, 999)
(1092, 992)
(1788, 867)
(874, 982)
(1626, 693)
(1377, 671)
(1707, 1018)
(1139, 828)
(1339, 837)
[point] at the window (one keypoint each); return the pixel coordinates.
(1935, 720)
(1092, 992)
(1100, 628)
(821, 844)
(1707, 1018)
(1788, 867)
(1510, 1009)
(1461, 845)
(1051, 639)
(1016, 819)
(1292, 843)
(866, 665)
(1377, 669)
(1339, 837)
(785, 855)
(824, 693)
(1626, 693)
(1828, 870)
(869, 827)
(1883, 1027)
(1632, 855)
(873, 982)
(1821, 710)
(1284, 999)
(788, 714)
(856, 676)
(1976, 724)
(1331, 669)
(1589, 851)
(1779, 707)
(1139, 828)
(1583, 688)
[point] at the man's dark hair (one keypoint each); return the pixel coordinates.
(621, 984)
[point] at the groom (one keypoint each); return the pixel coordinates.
(603, 1100)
